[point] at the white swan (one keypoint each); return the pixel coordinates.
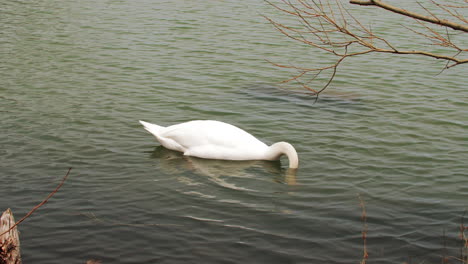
(211, 139)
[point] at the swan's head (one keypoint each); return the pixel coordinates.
(284, 148)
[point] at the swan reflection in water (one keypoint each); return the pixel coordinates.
(175, 162)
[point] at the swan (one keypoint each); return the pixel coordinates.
(210, 139)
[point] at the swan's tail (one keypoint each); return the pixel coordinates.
(152, 128)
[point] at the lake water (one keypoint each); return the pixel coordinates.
(76, 76)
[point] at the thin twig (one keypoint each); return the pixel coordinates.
(40, 204)
(364, 229)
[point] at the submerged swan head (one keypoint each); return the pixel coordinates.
(278, 149)
(210, 139)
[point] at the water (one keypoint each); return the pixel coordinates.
(77, 76)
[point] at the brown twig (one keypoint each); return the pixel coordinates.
(365, 255)
(40, 204)
(401, 11)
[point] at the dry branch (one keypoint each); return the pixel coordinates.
(365, 253)
(330, 27)
(401, 11)
(9, 238)
(37, 206)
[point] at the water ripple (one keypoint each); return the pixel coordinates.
(76, 78)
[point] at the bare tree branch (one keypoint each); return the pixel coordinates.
(331, 28)
(40, 204)
(404, 12)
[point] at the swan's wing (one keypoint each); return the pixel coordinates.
(212, 137)
(226, 153)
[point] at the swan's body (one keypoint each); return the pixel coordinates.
(218, 140)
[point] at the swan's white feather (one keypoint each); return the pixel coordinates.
(212, 140)
(207, 139)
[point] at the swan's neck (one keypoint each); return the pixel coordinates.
(283, 148)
